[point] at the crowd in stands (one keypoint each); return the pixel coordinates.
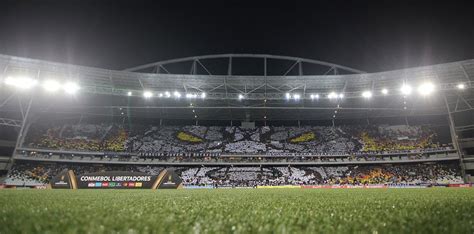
(396, 138)
(80, 137)
(212, 158)
(413, 174)
(158, 141)
(29, 173)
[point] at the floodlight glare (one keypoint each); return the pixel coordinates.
(203, 95)
(241, 96)
(313, 96)
(129, 93)
(9, 81)
(71, 87)
(147, 94)
(177, 94)
(367, 94)
(384, 91)
(332, 95)
(405, 89)
(21, 82)
(461, 86)
(426, 88)
(167, 94)
(296, 96)
(287, 95)
(341, 95)
(51, 85)
(190, 95)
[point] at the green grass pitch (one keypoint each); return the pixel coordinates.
(434, 210)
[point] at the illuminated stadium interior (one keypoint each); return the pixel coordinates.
(277, 119)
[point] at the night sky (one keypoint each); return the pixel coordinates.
(366, 35)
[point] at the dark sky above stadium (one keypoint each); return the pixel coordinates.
(367, 35)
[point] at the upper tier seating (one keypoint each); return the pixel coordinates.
(184, 140)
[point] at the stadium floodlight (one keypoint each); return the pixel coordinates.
(405, 89)
(313, 96)
(367, 94)
(288, 96)
(129, 93)
(461, 86)
(167, 94)
(147, 94)
(384, 91)
(241, 96)
(176, 94)
(296, 96)
(71, 87)
(160, 95)
(332, 95)
(341, 95)
(190, 95)
(203, 95)
(21, 82)
(51, 85)
(426, 88)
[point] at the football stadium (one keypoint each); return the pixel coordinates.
(121, 116)
(299, 145)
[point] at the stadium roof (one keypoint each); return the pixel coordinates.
(264, 87)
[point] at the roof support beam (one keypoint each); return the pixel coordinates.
(7, 99)
(278, 57)
(291, 68)
(229, 68)
(300, 68)
(10, 122)
(202, 65)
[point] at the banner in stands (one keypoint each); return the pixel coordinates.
(64, 180)
(198, 187)
(167, 179)
(343, 186)
(115, 180)
(460, 185)
(277, 186)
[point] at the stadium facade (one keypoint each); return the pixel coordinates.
(269, 116)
